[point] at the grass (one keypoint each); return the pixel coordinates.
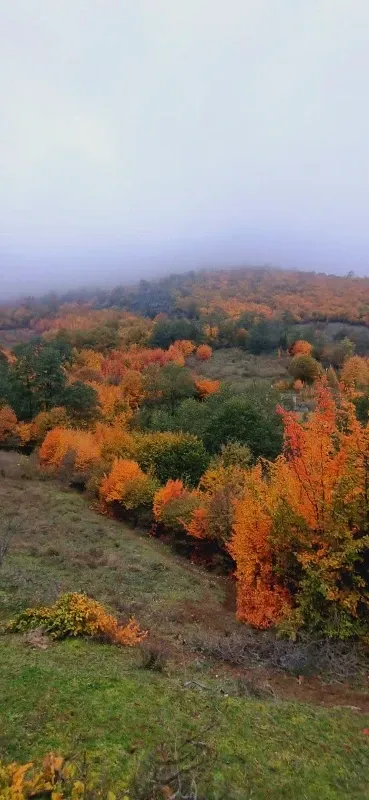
(62, 545)
(240, 369)
(80, 696)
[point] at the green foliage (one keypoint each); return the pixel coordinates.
(167, 385)
(249, 419)
(5, 386)
(140, 493)
(37, 379)
(339, 352)
(235, 454)
(264, 336)
(304, 368)
(81, 402)
(75, 614)
(180, 456)
(177, 513)
(167, 331)
(242, 419)
(362, 408)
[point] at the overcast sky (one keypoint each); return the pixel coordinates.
(147, 135)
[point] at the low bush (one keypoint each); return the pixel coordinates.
(56, 778)
(76, 614)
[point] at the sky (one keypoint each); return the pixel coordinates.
(139, 137)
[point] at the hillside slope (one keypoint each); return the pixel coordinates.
(78, 696)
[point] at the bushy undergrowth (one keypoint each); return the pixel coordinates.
(55, 778)
(333, 659)
(75, 614)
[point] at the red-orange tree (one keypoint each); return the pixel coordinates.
(301, 348)
(301, 533)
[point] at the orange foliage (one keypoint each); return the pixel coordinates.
(198, 527)
(355, 372)
(310, 505)
(8, 424)
(261, 601)
(60, 442)
(204, 387)
(46, 420)
(10, 357)
(204, 352)
(24, 431)
(185, 346)
(75, 614)
(114, 440)
(172, 490)
(270, 293)
(77, 317)
(118, 362)
(176, 355)
(301, 348)
(123, 473)
(131, 387)
(110, 399)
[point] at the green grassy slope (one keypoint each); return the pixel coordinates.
(80, 696)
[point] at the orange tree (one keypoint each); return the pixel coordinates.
(8, 424)
(301, 348)
(301, 532)
(128, 485)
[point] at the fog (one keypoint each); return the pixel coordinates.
(142, 136)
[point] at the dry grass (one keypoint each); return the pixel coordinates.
(235, 366)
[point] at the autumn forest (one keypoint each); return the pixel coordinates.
(222, 415)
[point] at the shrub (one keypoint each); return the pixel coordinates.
(56, 778)
(243, 418)
(355, 372)
(235, 454)
(305, 368)
(172, 456)
(128, 485)
(178, 512)
(204, 387)
(154, 656)
(214, 515)
(185, 346)
(60, 441)
(76, 614)
(173, 490)
(204, 352)
(47, 420)
(8, 424)
(301, 347)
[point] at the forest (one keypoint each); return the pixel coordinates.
(131, 399)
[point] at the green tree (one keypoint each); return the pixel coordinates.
(185, 458)
(305, 368)
(167, 385)
(4, 380)
(167, 331)
(243, 419)
(37, 379)
(264, 336)
(81, 402)
(340, 351)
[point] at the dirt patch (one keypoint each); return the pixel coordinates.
(307, 690)
(36, 639)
